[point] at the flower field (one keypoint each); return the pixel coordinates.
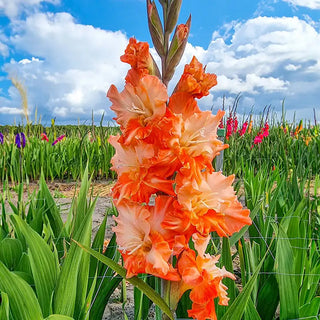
(212, 216)
(276, 260)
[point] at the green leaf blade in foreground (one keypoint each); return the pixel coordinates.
(23, 302)
(4, 307)
(58, 317)
(284, 267)
(10, 252)
(226, 260)
(43, 264)
(146, 289)
(50, 208)
(66, 290)
(236, 310)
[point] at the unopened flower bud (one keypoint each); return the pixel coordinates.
(177, 47)
(155, 27)
(173, 15)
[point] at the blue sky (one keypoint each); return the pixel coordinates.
(66, 54)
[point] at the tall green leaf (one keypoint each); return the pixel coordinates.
(50, 208)
(23, 301)
(43, 264)
(66, 289)
(236, 310)
(10, 252)
(4, 307)
(226, 260)
(58, 317)
(284, 267)
(107, 281)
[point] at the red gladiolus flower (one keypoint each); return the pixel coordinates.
(235, 124)
(243, 130)
(229, 127)
(44, 137)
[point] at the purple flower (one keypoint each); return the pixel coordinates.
(58, 139)
(1, 138)
(20, 140)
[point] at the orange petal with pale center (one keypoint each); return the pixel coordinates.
(144, 250)
(145, 102)
(213, 204)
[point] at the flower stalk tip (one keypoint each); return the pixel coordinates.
(155, 27)
(173, 14)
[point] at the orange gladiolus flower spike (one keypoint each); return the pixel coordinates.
(165, 152)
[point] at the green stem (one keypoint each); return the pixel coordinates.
(165, 293)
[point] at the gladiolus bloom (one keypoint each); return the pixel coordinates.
(195, 81)
(229, 127)
(140, 106)
(20, 140)
(1, 138)
(59, 139)
(243, 130)
(213, 204)
(204, 278)
(263, 133)
(44, 137)
(144, 249)
(298, 129)
(250, 126)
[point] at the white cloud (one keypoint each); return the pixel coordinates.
(268, 59)
(292, 67)
(312, 4)
(8, 110)
(25, 61)
(4, 50)
(71, 66)
(68, 67)
(12, 8)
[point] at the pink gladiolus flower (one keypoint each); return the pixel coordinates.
(59, 139)
(243, 130)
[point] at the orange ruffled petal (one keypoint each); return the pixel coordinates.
(204, 278)
(199, 136)
(145, 102)
(137, 55)
(195, 81)
(144, 250)
(142, 170)
(213, 204)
